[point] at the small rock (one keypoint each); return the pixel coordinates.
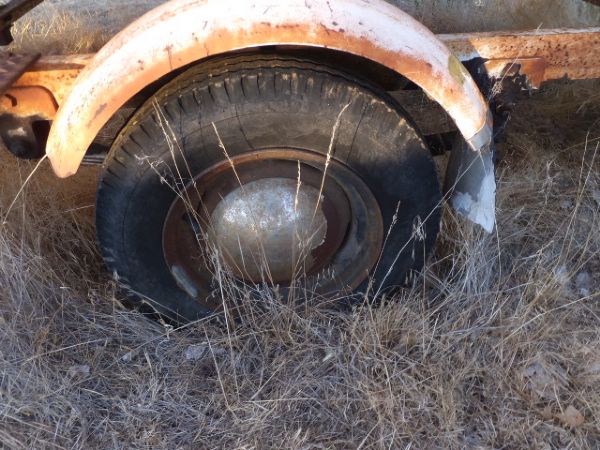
(561, 275)
(130, 356)
(594, 368)
(196, 352)
(567, 204)
(583, 283)
(544, 379)
(547, 413)
(81, 371)
(200, 351)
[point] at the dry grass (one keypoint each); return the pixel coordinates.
(497, 346)
(75, 26)
(63, 26)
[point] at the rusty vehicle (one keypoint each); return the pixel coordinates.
(282, 143)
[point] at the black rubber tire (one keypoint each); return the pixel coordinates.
(259, 102)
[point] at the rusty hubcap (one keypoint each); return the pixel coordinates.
(274, 216)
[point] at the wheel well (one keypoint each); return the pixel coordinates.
(359, 67)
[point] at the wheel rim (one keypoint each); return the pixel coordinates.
(275, 217)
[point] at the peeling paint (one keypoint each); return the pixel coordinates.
(471, 183)
(480, 208)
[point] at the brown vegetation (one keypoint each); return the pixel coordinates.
(497, 345)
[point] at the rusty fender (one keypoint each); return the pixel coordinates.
(181, 32)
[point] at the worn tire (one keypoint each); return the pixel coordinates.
(260, 102)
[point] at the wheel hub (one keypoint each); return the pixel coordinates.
(274, 216)
(267, 227)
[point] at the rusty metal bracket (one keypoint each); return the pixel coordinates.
(29, 101)
(534, 69)
(541, 55)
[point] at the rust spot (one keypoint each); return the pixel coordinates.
(324, 28)
(99, 111)
(533, 68)
(169, 50)
(574, 53)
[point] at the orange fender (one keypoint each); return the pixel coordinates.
(181, 32)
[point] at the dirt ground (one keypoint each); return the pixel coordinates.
(496, 346)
